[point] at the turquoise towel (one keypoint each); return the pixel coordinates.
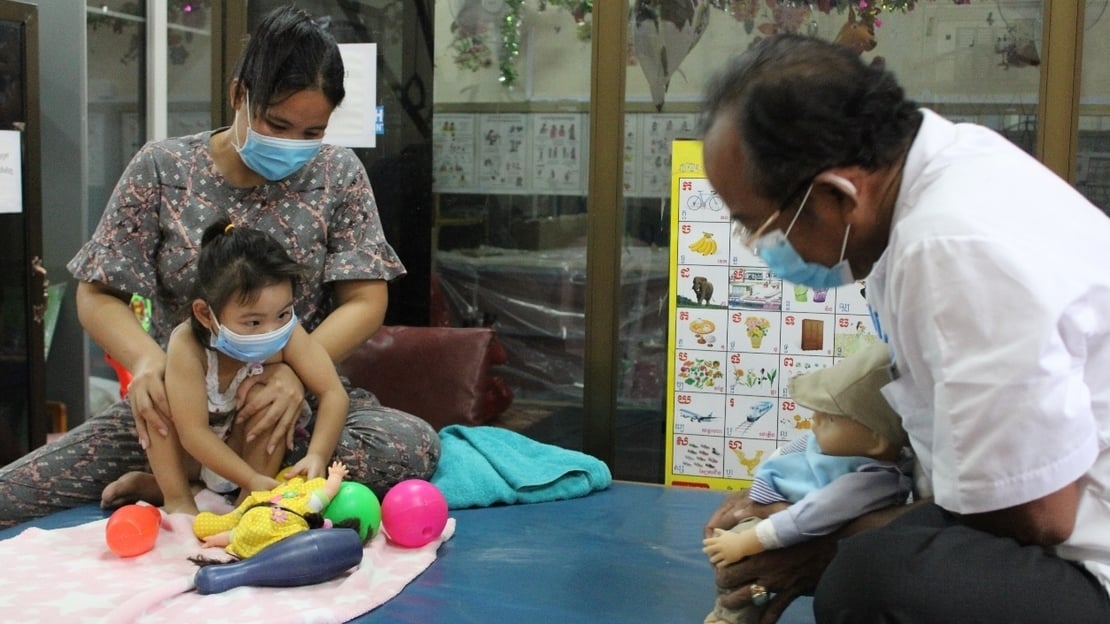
(483, 466)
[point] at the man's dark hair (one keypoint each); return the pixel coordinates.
(803, 105)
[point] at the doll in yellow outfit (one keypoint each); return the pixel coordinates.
(265, 518)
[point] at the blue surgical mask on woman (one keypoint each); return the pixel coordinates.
(254, 348)
(775, 249)
(271, 157)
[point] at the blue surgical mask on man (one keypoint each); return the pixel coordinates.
(255, 348)
(271, 157)
(775, 249)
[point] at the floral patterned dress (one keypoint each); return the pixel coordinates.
(147, 242)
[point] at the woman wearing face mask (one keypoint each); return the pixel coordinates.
(268, 171)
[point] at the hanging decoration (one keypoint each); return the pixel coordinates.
(488, 32)
(510, 29)
(484, 30)
(786, 17)
(858, 35)
(580, 10)
(189, 14)
(663, 33)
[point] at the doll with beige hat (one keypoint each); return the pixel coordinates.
(853, 460)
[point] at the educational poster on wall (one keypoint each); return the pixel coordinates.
(503, 149)
(453, 140)
(558, 151)
(632, 156)
(657, 132)
(737, 335)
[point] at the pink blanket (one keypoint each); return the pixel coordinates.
(69, 575)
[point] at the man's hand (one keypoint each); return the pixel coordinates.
(736, 507)
(273, 406)
(785, 572)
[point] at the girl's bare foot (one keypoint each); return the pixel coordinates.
(130, 488)
(186, 505)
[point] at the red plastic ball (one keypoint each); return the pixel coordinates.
(132, 529)
(414, 513)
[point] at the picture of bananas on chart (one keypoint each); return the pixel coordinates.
(704, 244)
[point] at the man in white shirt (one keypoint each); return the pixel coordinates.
(989, 278)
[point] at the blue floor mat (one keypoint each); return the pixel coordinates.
(631, 553)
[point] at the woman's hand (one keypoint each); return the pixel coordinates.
(273, 406)
(105, 313)
(147, 395)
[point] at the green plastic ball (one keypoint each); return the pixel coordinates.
(355, 500)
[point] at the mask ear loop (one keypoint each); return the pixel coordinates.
(235, 126)
(800, 206)
(215, 321)
(844, 244)
(849, 189)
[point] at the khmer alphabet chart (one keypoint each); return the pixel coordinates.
(738, 334)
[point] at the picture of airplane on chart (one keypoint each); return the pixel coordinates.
(696, 417)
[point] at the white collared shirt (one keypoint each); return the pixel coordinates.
(995, 293)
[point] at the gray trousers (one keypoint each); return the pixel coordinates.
(380, 446)
(926, 567)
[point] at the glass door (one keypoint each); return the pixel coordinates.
(509, 159)
(970, 61)
(399, 162)
(132, 100)
(511, 152)
(22, 277)
(1092, 171)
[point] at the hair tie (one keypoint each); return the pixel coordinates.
(230, 226)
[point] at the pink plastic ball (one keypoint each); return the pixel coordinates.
(414, 513)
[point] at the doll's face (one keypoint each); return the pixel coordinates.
(841, 436)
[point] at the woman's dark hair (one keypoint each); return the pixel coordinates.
(238, 261)
(289, 52)
(803, 105)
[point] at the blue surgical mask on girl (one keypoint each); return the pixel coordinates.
(775, 249)
(271, 157)
(255, 348)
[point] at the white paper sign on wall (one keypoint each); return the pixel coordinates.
(352, 124)
(11, 173)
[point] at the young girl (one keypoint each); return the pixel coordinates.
(242, 318)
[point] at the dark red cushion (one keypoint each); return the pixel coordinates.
(441, 374)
